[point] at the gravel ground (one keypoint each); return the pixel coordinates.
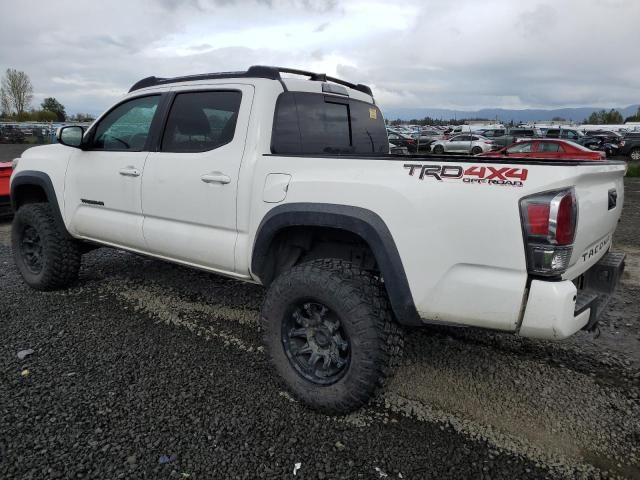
(144, 359)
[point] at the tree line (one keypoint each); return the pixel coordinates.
(16, 95)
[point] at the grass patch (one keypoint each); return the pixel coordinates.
(633, 169)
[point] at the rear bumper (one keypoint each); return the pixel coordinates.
(557, 310)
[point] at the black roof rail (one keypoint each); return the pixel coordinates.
(255, 71)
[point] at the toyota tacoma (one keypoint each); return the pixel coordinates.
(284, 178)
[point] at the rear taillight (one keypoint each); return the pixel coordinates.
(549, 224)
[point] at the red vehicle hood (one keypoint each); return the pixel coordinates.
(6, 168)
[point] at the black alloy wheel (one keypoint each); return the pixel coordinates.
(31, 249)
(315, 342)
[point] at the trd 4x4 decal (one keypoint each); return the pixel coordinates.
(509, 176)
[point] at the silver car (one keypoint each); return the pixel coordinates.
(473, 144)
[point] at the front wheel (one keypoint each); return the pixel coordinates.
(46, 258)
(329, 333)
(476, 150)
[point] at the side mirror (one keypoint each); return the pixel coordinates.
(71, 136)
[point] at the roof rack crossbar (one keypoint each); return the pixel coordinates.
(255, 71)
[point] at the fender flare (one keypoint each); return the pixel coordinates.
(359, 221)
(42, 180)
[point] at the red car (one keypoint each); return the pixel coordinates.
(5, 174)
(547, 148)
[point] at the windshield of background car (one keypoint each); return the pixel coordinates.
(312, 123)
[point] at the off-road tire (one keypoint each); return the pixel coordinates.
(360, 301)
(60, 254)
(438, 149)
(476, 150)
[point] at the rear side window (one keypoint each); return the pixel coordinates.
(201, 121)
(549, 147)
(311, 123)
(553, 133)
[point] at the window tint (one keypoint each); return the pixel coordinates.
(315, 123)
(201, 121)
(127, 126)
(520, 148)
(553, 133)
(570, 134)
(549, 147)
(461, 138)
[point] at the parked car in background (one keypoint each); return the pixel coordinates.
(402, 140)
(426, 137)
(630, 147)
(601, 144)
(546, 148)
(11, 134)
(398, 150)
(6, 168)
(473, 144)
(565, 133)
(503, 138)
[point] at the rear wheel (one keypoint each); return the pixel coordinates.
(476, 150)
(439, 149)
(44, 255)
(635, 154)
(329, 333)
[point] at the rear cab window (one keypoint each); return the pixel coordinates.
(314, 123)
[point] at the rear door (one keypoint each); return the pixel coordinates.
(458, 144)
(189, 186)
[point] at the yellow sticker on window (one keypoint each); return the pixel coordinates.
(373, 113)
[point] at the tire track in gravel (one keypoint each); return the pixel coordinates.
(552, 415)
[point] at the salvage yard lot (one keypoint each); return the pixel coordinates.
(143, 359)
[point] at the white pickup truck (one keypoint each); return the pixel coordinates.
(287, 182)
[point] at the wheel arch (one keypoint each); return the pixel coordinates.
(356, 221)
(30, 186)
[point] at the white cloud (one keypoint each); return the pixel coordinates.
(433, 53)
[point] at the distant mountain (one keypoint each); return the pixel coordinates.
(503, 115)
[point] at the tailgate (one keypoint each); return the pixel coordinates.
(599, 191)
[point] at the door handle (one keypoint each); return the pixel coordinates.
(215, 177)
(130, 172)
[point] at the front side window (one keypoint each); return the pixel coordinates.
(520, 148)
(201, 121)
(127, 126)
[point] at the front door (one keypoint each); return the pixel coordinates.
(189, 187)
(102, 185)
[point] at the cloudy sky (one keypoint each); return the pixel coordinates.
(462, 54)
